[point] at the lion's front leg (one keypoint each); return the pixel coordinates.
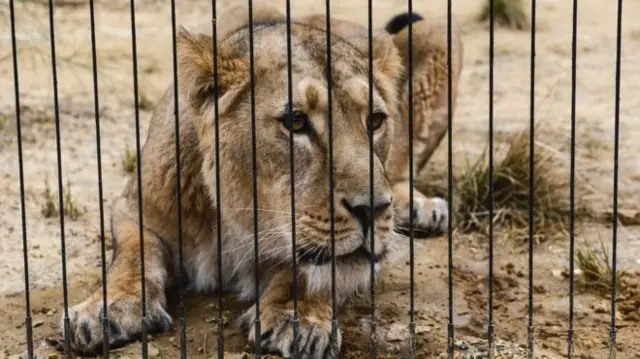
(124, 296)
(314, 336)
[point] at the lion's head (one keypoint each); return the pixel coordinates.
(308, 119)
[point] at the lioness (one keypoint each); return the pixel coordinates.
(309, 123)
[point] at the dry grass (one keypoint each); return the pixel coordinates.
(597, 271)
(129, 161)
(71, 208)
(511, 192)
(507, 13)
(49, 207)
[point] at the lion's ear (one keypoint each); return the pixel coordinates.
(386, 57)
(195, 64)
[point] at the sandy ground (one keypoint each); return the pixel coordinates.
(595, 119)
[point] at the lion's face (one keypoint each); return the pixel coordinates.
(306, 127)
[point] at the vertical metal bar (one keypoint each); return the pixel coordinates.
(334, 308)
(25, 247)
(255, 179)
(614, 257)
(296, 321)
(176, 112)
(450, 331)
(143, 283)
(67, 339)
(530, 330)
(572, 177)
(218, 192)
(371, 186)
(412, 319)
(490, 329)
(104, 320)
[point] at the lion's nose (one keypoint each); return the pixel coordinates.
(361, 209)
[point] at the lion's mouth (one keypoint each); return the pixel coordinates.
(322, 255)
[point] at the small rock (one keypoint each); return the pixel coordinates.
(397, 332)
(557, 273)
(153, 351)
(422, 329)
(37, 323)
(600, 307)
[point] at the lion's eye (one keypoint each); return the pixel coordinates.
(297, 122)
(376, 120)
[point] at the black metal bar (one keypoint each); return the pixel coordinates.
(412, 319)
(372, 287)
(530, 329)
(218, 192)
(450, 328)
(25, 247)
(67, 339)
(294, 251)
(176, 112)
(255, 179)
(104, 320)
(614, 256)
(572, 178)
(490, 328)
(334, 308)
(143, 282)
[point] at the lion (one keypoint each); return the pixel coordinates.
(307, 121)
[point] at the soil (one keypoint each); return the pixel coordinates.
(595, 102)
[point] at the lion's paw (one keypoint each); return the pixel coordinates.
(125, 322)
(430, 216)
(313, 339)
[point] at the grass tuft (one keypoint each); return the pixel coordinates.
(507, 13)
(49, 208)
(71, 208)
(597, 271)
(511, 192)
(129, 161)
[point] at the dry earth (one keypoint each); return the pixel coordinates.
(595, 119)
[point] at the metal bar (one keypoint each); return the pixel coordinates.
(67, 339)
(218, 191)
(530, 329)
(372, 287)
(255, 179)
(334, 308)
(176, 112)
(412, 318)
(450, 328)
(143, 284)
(104, 320)
(25, 246)
(572, 179)
(294, 251)
(614, 257)
(490, 328)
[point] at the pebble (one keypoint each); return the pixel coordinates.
(153, 351)
(557, 273)
(397, 332)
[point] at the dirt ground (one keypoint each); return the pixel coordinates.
(595, 119)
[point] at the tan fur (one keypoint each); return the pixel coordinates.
(350, 99)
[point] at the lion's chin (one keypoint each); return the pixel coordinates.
(322, 255)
